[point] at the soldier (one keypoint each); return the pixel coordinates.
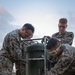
(63, 35)
(11, 51)
(66, 58)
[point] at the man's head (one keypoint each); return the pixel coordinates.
(53, 46)
(62, 25)
(27, 31)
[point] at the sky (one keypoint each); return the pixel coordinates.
(42, 14)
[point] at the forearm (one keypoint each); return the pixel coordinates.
(61, 66)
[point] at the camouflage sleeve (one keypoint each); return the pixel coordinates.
(15, 49)
(69, 38)
(62, 65)
(54, 35)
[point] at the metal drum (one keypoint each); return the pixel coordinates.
(35, 59)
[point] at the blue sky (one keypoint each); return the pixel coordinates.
(43, 14)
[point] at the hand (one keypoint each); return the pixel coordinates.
(45, 37)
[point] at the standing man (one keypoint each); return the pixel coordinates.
(66, 58)
(63, 35)
(11, 50)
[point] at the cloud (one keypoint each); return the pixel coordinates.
(71, 16)
(5, 14)
(71, 19)
(5, 23)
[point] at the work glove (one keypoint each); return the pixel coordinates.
(47, 39)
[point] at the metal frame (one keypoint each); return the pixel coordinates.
(44, 58)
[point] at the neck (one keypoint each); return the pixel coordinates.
(62, 32)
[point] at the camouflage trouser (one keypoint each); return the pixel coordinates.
(20, 69)
(6, 66)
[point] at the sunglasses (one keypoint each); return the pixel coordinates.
(53, 52)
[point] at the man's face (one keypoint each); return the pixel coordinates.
(53, 51)
(26, 34)
(62, 27)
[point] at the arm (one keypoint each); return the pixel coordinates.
(15, 48)
(68, 38)
(62, 65)
(54, 35)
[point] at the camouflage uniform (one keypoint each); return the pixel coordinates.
(65, 66)
(67, 37)
(10, 52)
(5, 66)
(21, 66)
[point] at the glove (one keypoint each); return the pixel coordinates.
(47, 39)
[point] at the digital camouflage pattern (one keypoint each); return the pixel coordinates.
(21, 66)
(6, 66)
(63, 67)
(67, 37)
(11, 52)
